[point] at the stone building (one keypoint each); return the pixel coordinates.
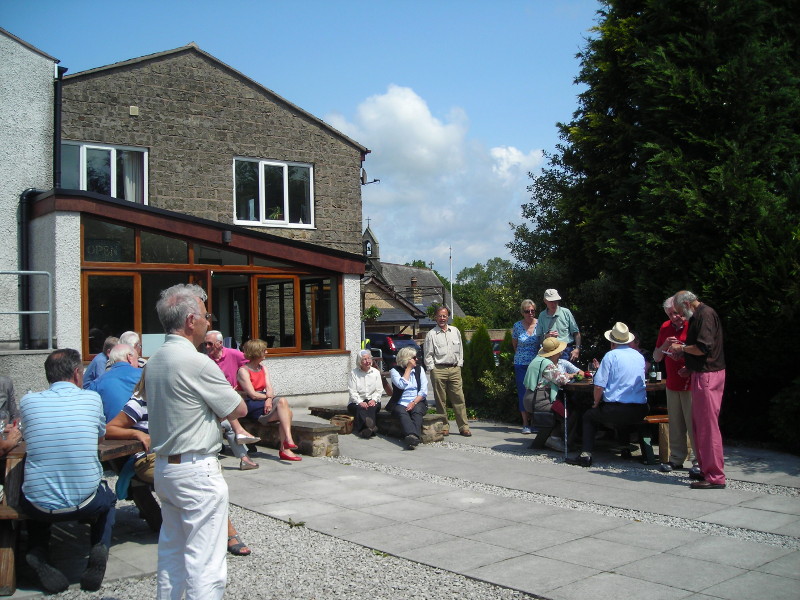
(175, 167)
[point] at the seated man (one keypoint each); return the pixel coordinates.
(132, 339)
(620, 385)
(63, 426)
(131, 424)
(98, 365)
(116, 384)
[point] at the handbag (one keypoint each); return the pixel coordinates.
(559, 408)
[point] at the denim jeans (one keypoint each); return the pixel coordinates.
(192, 543)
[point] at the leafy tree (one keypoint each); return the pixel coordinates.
(487, 291)
(680, 170)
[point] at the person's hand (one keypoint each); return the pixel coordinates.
(144, 438)
(676, 348)
(410, 406)
(267, 405)
(364, 405)
(573, 356)
(13, 434)
(683, 372)
(371, 403)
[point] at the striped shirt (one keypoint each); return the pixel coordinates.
(136, 409)
(62, 428)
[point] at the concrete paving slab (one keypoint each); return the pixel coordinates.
(750, 518)
(408, 507)
(682, 572)
(459, 554)
(731, 551)
(597, 553)
(297, 510)
(783, 504)
(649, 535)
(456, 523)
(787, 565)
(532, 574)
(345, 521)
(523, 537)
(613, 586)
(584, 523)
(754, 585)
(397, 538)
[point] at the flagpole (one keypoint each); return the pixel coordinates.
(451, 281)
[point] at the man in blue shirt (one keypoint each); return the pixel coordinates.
(55, 449)
(116, 385)
(98, 365)
(620, 393)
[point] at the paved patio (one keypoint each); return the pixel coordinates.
(488, 508)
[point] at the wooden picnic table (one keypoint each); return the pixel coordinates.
(10, 515)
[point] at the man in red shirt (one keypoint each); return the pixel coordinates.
(229, 360)
(679, 396)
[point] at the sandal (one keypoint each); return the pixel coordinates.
(247, 466)
(246, 438)
(238, 549)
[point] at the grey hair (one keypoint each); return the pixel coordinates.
(129, 337)
(177, 303)
(109, 343)
(405, 354)
(527, 302)
(364, 352)
(120, 353)
(217, 334)
(669, 303)
(684, 296)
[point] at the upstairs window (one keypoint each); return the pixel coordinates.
(273, 193)
(117, 171)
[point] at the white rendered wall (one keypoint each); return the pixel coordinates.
(26, 155)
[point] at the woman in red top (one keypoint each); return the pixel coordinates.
(263, 406)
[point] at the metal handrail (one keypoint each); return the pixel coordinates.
(48, 312)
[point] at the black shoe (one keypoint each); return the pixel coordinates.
(92, 577)
(371, 425)
(365, 433)
(53, 581)
(696, 475)
(705, 485)
(580, 461)
(412, 441)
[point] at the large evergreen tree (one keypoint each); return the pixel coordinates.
(680, 170)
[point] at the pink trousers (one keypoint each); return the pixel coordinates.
(706, 401)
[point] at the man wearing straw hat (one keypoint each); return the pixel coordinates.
(620, 395)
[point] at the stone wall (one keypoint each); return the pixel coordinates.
(194, 116)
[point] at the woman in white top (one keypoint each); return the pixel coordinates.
(366, 387)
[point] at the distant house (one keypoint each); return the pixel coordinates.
(402, 293)
(175, 167)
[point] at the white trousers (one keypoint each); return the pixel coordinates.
(192, 544)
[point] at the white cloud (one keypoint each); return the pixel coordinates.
(438, 188)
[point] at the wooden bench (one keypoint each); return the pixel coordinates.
(433, 425)
(312, 439)
(11, 516)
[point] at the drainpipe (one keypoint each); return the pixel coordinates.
(23, 226)
(57, 89)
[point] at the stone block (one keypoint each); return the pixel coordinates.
(312, 439)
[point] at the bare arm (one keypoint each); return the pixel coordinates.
(121, 428)
(598, 395)
(239, 412)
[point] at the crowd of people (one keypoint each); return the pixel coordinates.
(194, 389)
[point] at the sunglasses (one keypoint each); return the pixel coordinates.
(530, 311)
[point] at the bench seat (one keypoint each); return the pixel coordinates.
(312, 439)
(433, 425)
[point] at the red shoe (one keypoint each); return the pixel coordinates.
(284, 456)
(288, 446)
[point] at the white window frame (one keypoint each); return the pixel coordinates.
(84, 146)
(285, 223)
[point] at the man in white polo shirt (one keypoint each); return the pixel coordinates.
(187, 397)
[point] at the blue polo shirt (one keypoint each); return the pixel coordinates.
(62, 428)
(115, 387)
(621, 375)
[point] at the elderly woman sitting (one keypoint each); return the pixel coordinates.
(408, 402)
(543, 380)
(366, 387)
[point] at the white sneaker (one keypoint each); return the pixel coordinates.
(555, 443)
(526, 430)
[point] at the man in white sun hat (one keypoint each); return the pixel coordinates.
(620, 395)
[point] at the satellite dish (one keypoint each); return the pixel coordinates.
(363, 177)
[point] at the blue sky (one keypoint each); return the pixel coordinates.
(456, 99)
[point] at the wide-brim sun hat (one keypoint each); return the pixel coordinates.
(551, 346)
(619, 334)
(551, 295)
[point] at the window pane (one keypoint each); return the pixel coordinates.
(152, 284)
(319, 302)
(106, 242)
(110, 305)
(300, 195)
(162, 249)
(230, 303)
(70, 167)
(259, 261)
(276, 324)
(273, 193)
(130, 176)
(98, 171)
(247, 206)
(205, 255)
